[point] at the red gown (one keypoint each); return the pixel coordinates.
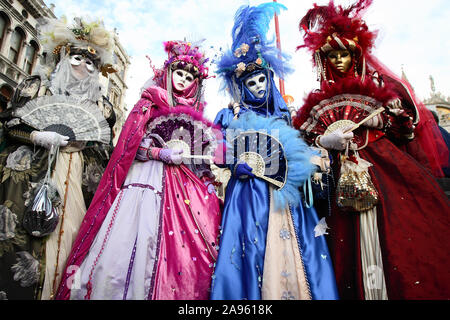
(412, 215)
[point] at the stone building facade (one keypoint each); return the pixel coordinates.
(115, 86)
(20, 52)
(440, 104)
(19, 46)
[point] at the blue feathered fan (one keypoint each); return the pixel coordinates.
(276, 153)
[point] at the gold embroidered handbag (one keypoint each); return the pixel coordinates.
(355, 190)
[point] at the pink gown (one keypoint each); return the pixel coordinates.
(151, 231)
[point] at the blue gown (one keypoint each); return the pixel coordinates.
(239, 268)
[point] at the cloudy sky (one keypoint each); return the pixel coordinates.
(413, 35)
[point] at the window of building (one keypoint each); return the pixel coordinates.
(113, 97)
(4, 23)
(118, 61)
(16, 44)
(122, 70)
(30, 57)
(6, 92)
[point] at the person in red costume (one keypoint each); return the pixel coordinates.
(391, 242)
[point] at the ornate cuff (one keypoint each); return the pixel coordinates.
(153, 153)
(21, 136)
(317, 142)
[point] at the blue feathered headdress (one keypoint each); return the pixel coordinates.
(251, 49)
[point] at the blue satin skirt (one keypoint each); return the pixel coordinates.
(239, 268)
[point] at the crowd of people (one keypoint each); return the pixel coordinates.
(336, 200)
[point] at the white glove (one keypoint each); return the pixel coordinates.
(395, 106)
(292, 111)
(375, 122)
(171, 156)
(337, 139)
(293, 114)
(48, 138)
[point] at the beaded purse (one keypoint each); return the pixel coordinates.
(355, 190)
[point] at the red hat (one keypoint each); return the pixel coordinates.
(332, 27)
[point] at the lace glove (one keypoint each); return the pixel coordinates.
(243, 171)
(336, 140)
(170, 156)
(47, 139)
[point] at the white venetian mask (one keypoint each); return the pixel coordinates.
(257, 84)
(182, 79)
(81, 66)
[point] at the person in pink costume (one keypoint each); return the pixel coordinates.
(152, 228)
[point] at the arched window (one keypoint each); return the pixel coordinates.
(122, 69)
(30, 56)
(6, 93)
(113, 97)
(4, 24)
(16, 44)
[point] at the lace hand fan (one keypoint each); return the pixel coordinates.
(341, 111)
(193, 135)
(68, 116)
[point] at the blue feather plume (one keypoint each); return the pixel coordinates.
(251, 25)
(296, 151)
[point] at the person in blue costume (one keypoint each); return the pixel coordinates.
(272, 244)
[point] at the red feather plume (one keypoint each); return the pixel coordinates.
(321, 22)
